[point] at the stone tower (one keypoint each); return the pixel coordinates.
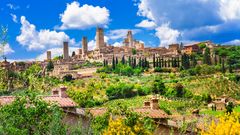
(49, 57)
(130, 38)
(65, 51)
(84, 46)
(100, 39)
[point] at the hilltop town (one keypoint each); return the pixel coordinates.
(180, 89)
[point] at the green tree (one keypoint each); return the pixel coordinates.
(134, 51)
(154, 61)
(30, 115)
(185, 61)
(73, 53)
(123, 60)
(158, 87)
(113, 63)
(50, 66)
(207, 57)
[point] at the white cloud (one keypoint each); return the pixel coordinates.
(39, 40)
(167, 35)
(55, 52)
(233, 42)
(229, 9)
(117, 44)
(6, 50)
(120, 33)
(83, 17)
(12, 6)
(146, 24)
(14, 18)
(91, 45)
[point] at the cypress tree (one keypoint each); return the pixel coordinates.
(194, 61)
(113, 63)
(123, 59)
(160, 62)
(134, 62)
(185, 61)
(104, 63)
(116, 60)
(140, 62)
(223, 66)
(154, 65)
(207, 57)
(129, 61)
(165, 61)
(178, 62)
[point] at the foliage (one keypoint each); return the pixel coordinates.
(31, 115)
(206, 56)
(67, 78)
(126, 122)
(158, 86)
(50, 66)
(120, 90)
(228, 124)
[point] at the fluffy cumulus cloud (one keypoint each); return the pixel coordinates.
(55, 52)
(42, 39)
(167, 35)
(83, 17)
(212, 18)
(146, 24)
(6, 49)
(120, 33)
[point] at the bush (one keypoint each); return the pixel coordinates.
(67, 78)
(158, 86)
(105, 69)
(120, 90)
(157, 69)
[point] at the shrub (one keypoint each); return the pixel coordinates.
(120, 90)
(158, 86)
(67, 78)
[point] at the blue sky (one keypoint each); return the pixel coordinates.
(38, 26)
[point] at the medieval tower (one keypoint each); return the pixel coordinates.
(49, 57)
(100, 39)
(65, 51)
(84, 46)
(130, 38)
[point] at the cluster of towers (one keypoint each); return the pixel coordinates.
(100, 44)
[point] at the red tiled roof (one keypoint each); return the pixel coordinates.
(142, 111)
(4, 100)
(151, 113)
(97, 111)
(62, 102)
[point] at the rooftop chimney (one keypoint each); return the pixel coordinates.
(147, 105)
(62, 92)
(154, 103)
(55, 92)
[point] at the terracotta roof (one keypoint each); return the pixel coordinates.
(97, 111)
(62, 102)
(142, 111)
(151, 113)
(4, 100)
